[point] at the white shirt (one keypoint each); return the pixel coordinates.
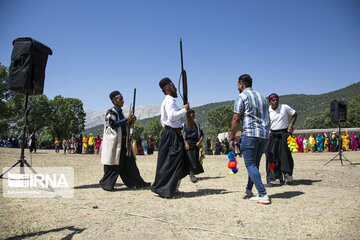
(279, 118)
(170, 113)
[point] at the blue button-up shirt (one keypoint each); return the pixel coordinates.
(254, 111)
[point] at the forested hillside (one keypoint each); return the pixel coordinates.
(307, 106)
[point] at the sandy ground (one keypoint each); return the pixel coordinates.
(322, 203)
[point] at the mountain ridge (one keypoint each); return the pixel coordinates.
(306, 105)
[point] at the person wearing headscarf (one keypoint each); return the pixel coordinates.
(114, 149)
(279, 162)
(97, 144)
(354, 145)
(150, 146)
(319, 143)
(85, 141)
(312, 143)
(91, 144)
(300, 143)
(171, 163)
(345, 141)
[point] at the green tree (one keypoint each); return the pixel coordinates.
(138, 130)
(39, 114)
(219, 120)
(68, 117)
(15, 106)
(323, 120)
(4, 95)
(353, 113)
(153, 129)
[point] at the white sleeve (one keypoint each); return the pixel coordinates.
(173, 115)
(289, 110)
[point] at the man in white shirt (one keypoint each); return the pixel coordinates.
(171, 163)
(279, 162)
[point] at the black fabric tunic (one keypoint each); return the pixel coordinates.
(282, 156)
(171, 164)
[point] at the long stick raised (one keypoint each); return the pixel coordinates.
(189, 120)
(183, 76)
(130, 128)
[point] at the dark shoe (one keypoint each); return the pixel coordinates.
(193, 179)
(288, 179)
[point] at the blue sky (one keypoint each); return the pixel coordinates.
(288, 47)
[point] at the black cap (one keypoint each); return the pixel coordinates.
(114, 94)
(163, 82)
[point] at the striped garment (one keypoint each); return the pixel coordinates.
(254, 111)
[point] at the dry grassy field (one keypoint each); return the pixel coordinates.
(322, 203)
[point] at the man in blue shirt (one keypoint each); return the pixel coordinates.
(252, 109)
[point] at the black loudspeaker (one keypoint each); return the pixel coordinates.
(27, 67)
(338, 111)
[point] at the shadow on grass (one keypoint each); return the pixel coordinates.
(207, 178)
(67, 237)
(289, 194)
(303, 182)
(294, 183)
(201, 192)
(96, 185)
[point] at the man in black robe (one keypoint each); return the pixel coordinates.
(114, 149)
(192, 139)
(171, 163)
(279, 162)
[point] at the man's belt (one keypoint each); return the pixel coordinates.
(177, 130)
(280, 130)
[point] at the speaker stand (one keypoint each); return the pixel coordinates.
(22, 160)
(340, 154)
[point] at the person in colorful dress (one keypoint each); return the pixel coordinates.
(320, 143)
(345, 142)
(354, 145)
(333, 143)
(312, 143)
(57, 145)
(85, 141)
(97, 144)
(91, 144)
(300, 143)
(326, 143)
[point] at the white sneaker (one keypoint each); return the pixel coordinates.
(248, 194)
(265, 199)
(275, 182)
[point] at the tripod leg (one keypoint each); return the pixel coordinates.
(347, 159)
(331, 159)
(33, 170)
(9, 168)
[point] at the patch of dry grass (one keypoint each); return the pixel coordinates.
(323, 203)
